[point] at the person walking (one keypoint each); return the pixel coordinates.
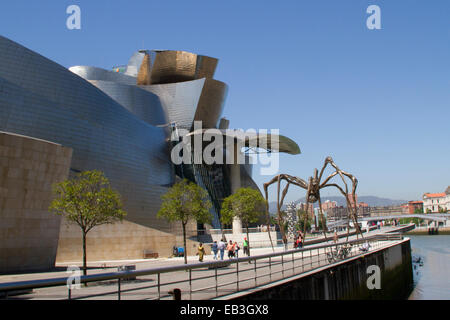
(201, 252)
(335, 238)
(300, 240)
(236, 250)
(221, 247)
(230, 249)
(246, 247)
(215, 249)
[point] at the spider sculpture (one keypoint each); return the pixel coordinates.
(313, 188)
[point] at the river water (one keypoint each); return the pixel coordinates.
(432, 272)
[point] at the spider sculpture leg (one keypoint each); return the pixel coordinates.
(352, 210)
(308, 192)
(322, 220)
(281, 218)
(278, 179)
(266, 186)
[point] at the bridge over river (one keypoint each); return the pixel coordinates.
(199, 281)
(436, 217)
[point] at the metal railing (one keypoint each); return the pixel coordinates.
(206, 280)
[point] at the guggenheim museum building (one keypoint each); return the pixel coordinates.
(56, 122)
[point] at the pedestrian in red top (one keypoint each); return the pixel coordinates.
(230, 249)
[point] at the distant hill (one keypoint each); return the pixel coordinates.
(372, 201)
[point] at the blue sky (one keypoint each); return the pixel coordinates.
(377, 101)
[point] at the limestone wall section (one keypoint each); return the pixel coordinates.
(28, 232)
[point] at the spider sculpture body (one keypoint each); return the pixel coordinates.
(313, 187)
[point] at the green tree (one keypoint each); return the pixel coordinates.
(246, 204)
(89, 201)
(185, 201)
(416, 221)
(302, 217)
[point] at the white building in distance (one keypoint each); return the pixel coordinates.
(436, 202)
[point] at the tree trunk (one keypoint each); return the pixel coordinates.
(248, 241)
(184, 242)
(84, 256)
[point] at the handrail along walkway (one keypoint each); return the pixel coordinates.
(285, 263)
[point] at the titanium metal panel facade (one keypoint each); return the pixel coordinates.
(143, 104)
(211, 104)
(135, 63)
(179, 100)
(121, 128)
(93, 73)
(42, 99)
(170, 66)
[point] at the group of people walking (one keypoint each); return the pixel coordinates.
(231, 247)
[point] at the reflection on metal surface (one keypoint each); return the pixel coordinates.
(179, 100)
(54, 104)
(178, 66)
(211, 104)
(134, 63)
(120, 122)
(175, 67)
(93, 73)
(143, 104)
(167, 66)
(144, 75)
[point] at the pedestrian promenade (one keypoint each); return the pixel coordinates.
(249, 277)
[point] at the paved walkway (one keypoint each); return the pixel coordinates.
(200, 278)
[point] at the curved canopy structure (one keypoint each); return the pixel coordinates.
(267, 141)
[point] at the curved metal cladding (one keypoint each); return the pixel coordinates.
(93, 73)
(177, 66)
(134, 63)
(179, 100)
(110, 121)
(143, 104)
(184, 83)
(211, 104)
(42, 99)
